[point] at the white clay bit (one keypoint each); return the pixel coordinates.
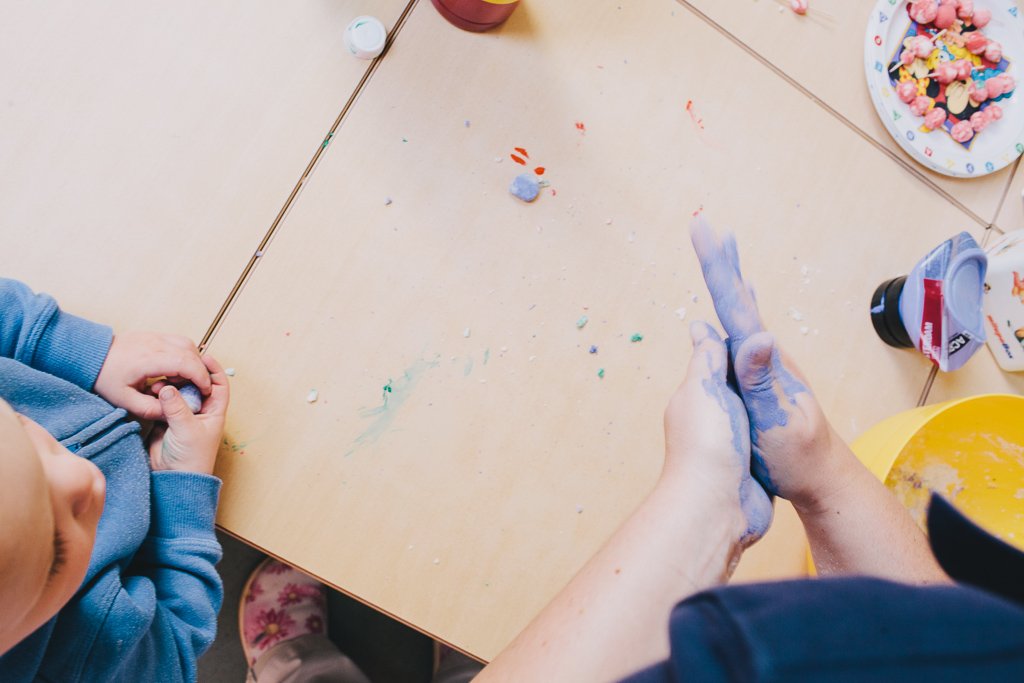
(804, 329)
(681, 313)
(693, 298)
(579, 509)
(230, 372)
(466, 332)
(795, 314)
(437, 560)
(312, 396)
(387, 201)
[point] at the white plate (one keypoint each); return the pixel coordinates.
(994, 147)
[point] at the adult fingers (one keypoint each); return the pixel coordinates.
(733, 299)
(755, 372)
(710, 358)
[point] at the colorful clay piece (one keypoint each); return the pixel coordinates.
(978, 92)
(979, 120)
(945, 16)
(945, 30)
(962, 131)
(906, 91)
(934, 118)
(993, 52)
(798, 6)
(924, 11)
(976, 43)
(921, 104)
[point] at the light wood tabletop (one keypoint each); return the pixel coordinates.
(463, 457)
(418, 418)
(823, 53)
(147, 149)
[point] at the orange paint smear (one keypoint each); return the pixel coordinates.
(522, 151)
(539, 170)
(697, 121)
(518, 160)
(699, 210)
(581, 127)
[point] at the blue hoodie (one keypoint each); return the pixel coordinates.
(147, 608)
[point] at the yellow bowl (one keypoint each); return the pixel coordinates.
(969, 450)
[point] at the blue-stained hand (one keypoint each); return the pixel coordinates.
(788, 432)
(707, 435)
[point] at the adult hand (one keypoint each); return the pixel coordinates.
(135, 358)
(792, 442)
(188, 442)
(707, 437)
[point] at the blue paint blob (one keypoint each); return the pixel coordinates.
(593, 349)
(525, 186)
(192, 396)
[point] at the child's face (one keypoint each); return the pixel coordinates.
(50, 504)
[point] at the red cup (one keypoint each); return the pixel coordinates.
(476, 15)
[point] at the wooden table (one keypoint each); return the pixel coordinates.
(147, 149)
(463, 457)
(822, 54)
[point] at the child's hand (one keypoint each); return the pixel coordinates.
(189, 443)
(707, 438)
(136, 357)
(792, 440)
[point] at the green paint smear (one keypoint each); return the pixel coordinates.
(469, 367)
(384, 415)
(582, 322)
(600, 373)
(637, 338)
(487, 355)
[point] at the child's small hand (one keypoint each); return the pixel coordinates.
(136, 357)
(189, 443)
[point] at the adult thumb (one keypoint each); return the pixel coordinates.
(754, 363)
(174, 406)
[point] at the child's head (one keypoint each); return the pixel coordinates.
(50, 505)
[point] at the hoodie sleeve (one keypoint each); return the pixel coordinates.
(34, 331)
(162, 608)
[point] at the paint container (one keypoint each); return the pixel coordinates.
(1004, 301)
(476, 15)
(365, 37)
(938, 307)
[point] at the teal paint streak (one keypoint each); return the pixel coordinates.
(487, 355)
(383, 416)
(469, 367)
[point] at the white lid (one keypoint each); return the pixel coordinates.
(365, 37)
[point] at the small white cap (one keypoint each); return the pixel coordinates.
(365, 37)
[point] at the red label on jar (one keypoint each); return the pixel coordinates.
(930, 342)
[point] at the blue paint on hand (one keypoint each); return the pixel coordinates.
(755, 501)
(767, 387)
(525, 186)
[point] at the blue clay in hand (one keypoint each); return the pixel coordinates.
(192, 396)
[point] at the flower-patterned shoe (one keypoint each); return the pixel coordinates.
(279, 603)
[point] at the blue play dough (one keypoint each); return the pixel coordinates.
(525, 186)
(193, 398)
